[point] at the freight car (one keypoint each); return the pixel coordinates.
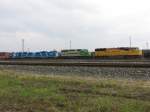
(146, 53)
(40, 54)
(5, 55)
(121, 52)
(75, 54)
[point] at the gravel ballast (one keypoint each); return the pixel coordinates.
(104, 72)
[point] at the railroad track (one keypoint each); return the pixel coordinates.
(81, 60)
(90, 64)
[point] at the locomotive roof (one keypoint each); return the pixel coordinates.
(72, 50)
(123, 48)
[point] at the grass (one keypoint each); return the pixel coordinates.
(25, 92)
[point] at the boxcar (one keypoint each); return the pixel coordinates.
(121, 52)
(4, 55)
(146, 53)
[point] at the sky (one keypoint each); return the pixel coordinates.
(88, 24)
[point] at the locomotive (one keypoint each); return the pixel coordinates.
(120, 52)
(75, 53)
(101, 53)
(41, 54)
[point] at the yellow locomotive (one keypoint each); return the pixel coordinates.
(121, 52)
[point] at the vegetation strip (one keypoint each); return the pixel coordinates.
(24, 92)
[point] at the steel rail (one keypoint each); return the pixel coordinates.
(89, 64)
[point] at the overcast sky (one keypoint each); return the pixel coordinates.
(51, 24)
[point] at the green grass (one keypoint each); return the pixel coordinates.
(25, 92)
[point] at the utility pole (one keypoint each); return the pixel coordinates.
(147, 45)
(130, 40)
(70, 43)
(22, 45)
(28, 49)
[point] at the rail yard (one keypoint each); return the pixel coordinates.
(72, 79)
(74, 56)
(102, 57)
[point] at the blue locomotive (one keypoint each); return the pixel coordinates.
(40, 54)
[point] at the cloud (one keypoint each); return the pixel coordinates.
(51, 24)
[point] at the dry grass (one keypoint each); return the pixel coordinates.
(24, 92)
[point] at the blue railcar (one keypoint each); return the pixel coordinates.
(40, 54)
